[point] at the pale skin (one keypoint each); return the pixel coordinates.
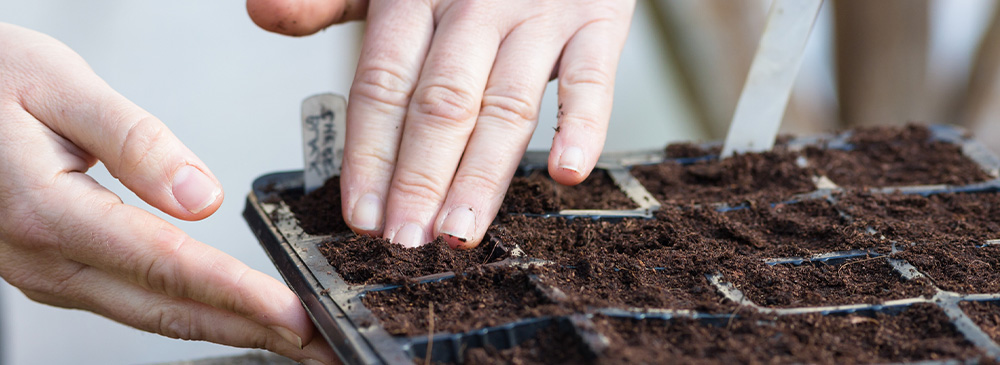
(444, 101)
(446, 97)
(67, 241)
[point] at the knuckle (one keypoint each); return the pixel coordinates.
(267, 340)
(174, 322)
(30, 228)
(420, 186)
(51, 288)
(480, 10)
(27, 281)
(33, 295)
(607, 10)
(39, 216)
(237, 299)
(377, 158)
(480, 179)
(577, 121)
(446, 103)
(49, 299)
(586, 72)
(383, 85)
(142, 140)
(511, 108)
(60, 287)
(158, 272)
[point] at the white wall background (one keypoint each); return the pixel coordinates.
(231, 92)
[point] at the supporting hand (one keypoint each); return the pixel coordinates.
(67, 241)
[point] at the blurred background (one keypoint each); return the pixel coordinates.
(231, 92)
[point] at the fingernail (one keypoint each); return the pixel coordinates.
(367, 212)
(288, 335)
(194, 190)
(311, 362)
(571, 159)
(460, 223)
(410, 235)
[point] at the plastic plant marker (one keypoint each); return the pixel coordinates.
(772, 75)
(324, 126)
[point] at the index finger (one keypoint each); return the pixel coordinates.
(152, 253)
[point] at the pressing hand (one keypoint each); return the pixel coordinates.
(446, 97)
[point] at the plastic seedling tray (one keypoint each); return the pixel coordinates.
(359, 336)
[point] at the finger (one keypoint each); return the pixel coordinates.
(586, 89)
(439, 122)
(304, 17)
(396, 42)
(106, 295)
(146, 250)
(135, 146)
(506, 121)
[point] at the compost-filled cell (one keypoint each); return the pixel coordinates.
(858, 281)
(318, 212)
(632, 284)
(892, 156)
(368, 260)
(551, 345)
(965, 218)
(800, 229)
(565, 241)
(986, 315)
(477, 299)
(919, 333)
(537, 193)
(962, 268)
(761, 177)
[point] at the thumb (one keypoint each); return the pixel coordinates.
(304, 17)
(136, 147)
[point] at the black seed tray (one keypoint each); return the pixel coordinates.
(359, 337)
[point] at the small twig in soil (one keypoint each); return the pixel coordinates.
(487, 259)
(729, 324)
(430, 333)
(856, 262)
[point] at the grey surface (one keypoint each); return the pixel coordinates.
(249, 358)
(231, 92)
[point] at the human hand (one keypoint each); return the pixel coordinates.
(446, 97)
(69, 242)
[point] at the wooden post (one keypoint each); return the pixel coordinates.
(881, 49)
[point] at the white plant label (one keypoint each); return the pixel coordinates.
(324, 125)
